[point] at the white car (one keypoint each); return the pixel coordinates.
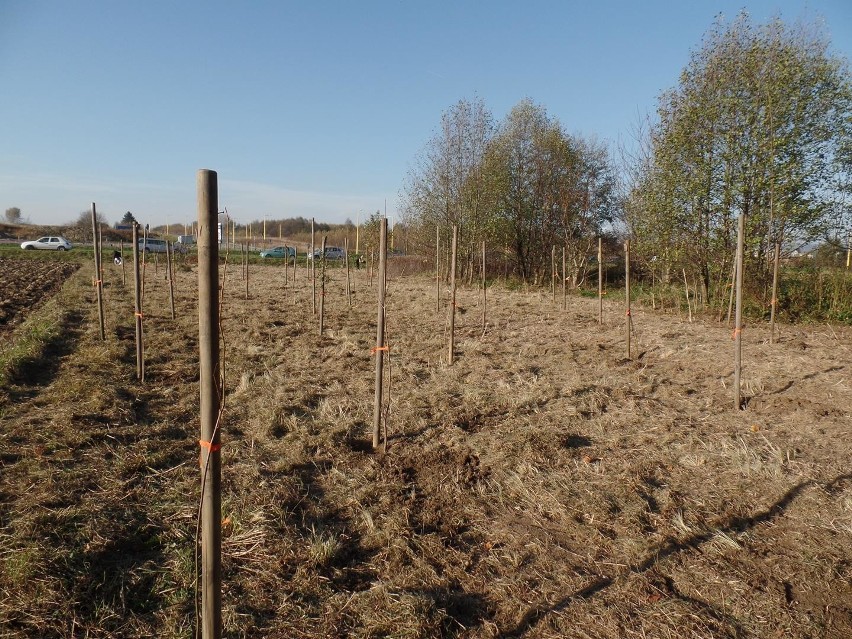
(48, 242)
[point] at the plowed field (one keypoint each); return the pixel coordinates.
(25, 284)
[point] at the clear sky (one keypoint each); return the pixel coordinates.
(312, 108)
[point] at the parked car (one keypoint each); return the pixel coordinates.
(279, 251)
(331, 253)
(152, 245)
(48, 242)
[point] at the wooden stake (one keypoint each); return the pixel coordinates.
(380, 331)
(348, 282)
(627, 293)
(733, 282)
(600, 280)
(98, 281)
(210, 406)
(322, 286)
(738, 328)
(137, 305)
(564, 282)
(170, 271)
(553, 272)
(686, 292)
(145, 254)
(451, 351)
(123, 272)
(247, 270)
(776, 267)
(437, 268)
(484, 294)
(313, 273)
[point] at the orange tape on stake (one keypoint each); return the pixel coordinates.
(627, 314)
(212, 448)
(96, 282)
(376, 349)
(737, 331)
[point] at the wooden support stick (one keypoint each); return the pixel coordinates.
(98, 281)
(313, 273)
(686, 292)
(348, 281)
(437, 268)
(210, 406)
(627, 293)
(484, 293)
(738, 324)
(600, 280)
(451, 351)
(776, 267)
(170, 272)
(380, 332)
(322, 286)
(137, 305)
(564, 282)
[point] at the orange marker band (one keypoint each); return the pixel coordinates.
(376, 349)
(213, 448)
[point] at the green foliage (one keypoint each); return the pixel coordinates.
(759, 124)
(524, 186)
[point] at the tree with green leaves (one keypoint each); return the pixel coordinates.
(446, 185)
(757, 125)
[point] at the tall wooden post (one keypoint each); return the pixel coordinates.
(553, 272)
(170, 271)
(322, 285)
(137, 299)
(313, 273)
(348, 281)
(98, 281)
(452, 346)
(437, 268)
(564, 282)
(248, 246)
(144, 257)
(776, 267)
(123, 272)
(484, 289)
(600, 280)
(210, 409)
(738, 322)
(627, 293)
(286, 265)
(380, 348)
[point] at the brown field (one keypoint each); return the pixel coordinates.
(25, 284)
(542, 486)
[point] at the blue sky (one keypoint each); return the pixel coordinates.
(311, 108)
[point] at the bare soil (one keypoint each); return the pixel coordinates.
(544, 485)
(26, 284)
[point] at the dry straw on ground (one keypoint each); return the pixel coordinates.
(541, 486)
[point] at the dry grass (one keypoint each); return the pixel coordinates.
(542, 486)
